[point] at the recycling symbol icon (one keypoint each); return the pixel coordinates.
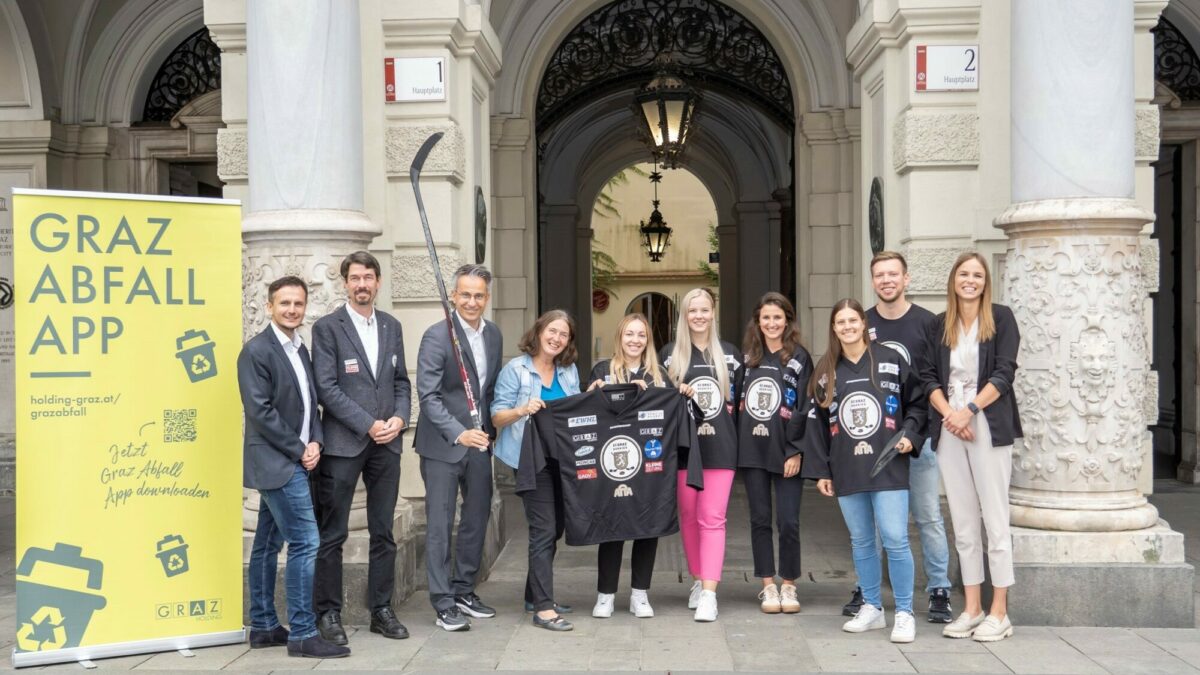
(43, 632)
(175, 562)
(200, 365)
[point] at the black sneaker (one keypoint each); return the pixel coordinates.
(452, 619)
(317, 647)
(939, 606)
(384, 622)
(331, 628)
(268, 638)
(471, 605)
(856, 602)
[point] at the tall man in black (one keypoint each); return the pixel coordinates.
(455, 455)
(362, 383)
(282, 444)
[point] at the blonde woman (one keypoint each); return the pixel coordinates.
(705, 369)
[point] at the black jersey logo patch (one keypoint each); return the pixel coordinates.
(859, 415)
(706, 429)
(898, 347)
(863, 448)
(621, 458)
(760, 430)
(623, 491)
(762, 398)
(706, 391)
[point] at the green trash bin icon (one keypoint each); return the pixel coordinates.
(53, 617)
(198, 360)
(172, 553)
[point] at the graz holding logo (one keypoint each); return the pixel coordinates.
(582, 438)
(621, 458)
(762, 398)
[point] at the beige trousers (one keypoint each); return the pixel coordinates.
(976, 476)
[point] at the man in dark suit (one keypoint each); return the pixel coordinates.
(282, 444)
(455, 455)
(362, 383)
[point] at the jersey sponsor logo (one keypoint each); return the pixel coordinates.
(585, 451)
(620, 426)
(889, 423)
(731, 359)
(650, 431)
(654, 467)
(653, 449)
(762, 398)
(590, 461)
(608, 379)
(666, 362)
(890, 368)
(585, 438)
(623, 491)
(871, 332)
(621, 458)
(785, 413)
(581, 421)
(793, 364)
(834, 430)
(789, 397)
(898, 347)
(760, 430)
(892, 404)
(706, 429)
(706, 392)
(863, 448)
(859, 415)
(644, 415)
(585, 474)
(891, 386)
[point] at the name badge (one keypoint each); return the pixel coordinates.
(351, 366)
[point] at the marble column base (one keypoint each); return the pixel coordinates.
(1080, 511)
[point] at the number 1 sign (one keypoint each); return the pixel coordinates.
(947, 68)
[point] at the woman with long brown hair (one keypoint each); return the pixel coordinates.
(972, 362)
(775, 372)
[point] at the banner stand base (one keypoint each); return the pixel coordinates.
(84, 655)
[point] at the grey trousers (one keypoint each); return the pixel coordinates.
(443, 481)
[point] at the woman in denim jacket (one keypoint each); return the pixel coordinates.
(544, 372)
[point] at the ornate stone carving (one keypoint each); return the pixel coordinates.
(930, 267)
(1145, 144)
(449, 156)
(1149, 253)
(412, 274)
(232, 163)
(259, 269)
(935, 139)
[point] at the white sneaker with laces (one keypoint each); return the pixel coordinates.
(788, 602)
(639, 604)
(868, 618)
(770, 599)
(694, 595)
(904, 629)
(706, 606)
(604, 605)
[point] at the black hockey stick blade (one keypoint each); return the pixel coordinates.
(888, 453)
(422, 154)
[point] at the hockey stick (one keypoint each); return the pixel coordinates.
(414, 174)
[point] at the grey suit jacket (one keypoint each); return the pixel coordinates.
(444, 413)
(271, 449)
(354, 397)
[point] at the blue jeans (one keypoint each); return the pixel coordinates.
(285, 514)
(925, 503)
(887, 510)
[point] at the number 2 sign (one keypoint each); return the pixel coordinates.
(947, 68)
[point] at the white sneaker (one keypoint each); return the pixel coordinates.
(639, 605)
(963, 626)
(604, 605)
(706, 606)
(788, 602)
(905, 627)
(770, 599)
(993, 629)
(694, 595)
(868, 618)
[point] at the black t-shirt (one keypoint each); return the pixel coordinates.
(712, 408)
(615, 450)
(906, 334)
(603, 371)
(868, 408)
(769, 394)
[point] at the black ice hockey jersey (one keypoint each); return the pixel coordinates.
(768, 396)
(617, 449)
(713, 408)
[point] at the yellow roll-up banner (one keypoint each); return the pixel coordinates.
(129, 460)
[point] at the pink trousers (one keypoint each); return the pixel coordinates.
(702, 522)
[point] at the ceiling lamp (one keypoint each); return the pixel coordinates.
(656, 236)
(668, 106)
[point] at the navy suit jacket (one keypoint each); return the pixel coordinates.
(444, 412)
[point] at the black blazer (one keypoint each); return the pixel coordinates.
(271, 398)
(997, 365)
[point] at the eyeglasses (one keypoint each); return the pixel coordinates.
(477, 297)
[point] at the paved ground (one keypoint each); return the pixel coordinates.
(742, 640)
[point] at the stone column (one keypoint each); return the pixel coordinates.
(1073, 277)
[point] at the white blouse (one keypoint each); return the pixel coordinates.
(964, 366)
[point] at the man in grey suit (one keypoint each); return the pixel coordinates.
(454, 454)
(282, 444)
(362, 383)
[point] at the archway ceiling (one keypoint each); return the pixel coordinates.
(614, 48)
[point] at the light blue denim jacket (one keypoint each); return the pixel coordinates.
(514, 387)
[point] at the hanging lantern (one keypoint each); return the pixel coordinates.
(667, 105)
(656, 236)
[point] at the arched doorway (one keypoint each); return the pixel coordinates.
(660, 311)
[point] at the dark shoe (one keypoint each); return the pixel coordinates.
(939, 606)
(384, 622)
(268, 638)
(557, 624)
(561, 609)
(856, 602)
(471, 604)
(452, 619)
(331, 629)
(316, 647)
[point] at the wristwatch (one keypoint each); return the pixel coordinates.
(973, 408)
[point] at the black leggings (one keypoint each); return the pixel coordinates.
(608, 561)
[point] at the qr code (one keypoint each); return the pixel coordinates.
(179, 426)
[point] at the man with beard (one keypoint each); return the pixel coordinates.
(363, 385)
